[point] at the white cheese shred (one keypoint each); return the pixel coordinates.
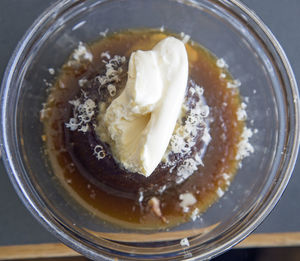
(234, 84)
(51, 71)
(82, 53)
(185, 37)
(99, 152)
(82, 115)
(195, 214)
(221, 63)
(241, 112)
(184, 242)
(244, 146)
(187, 200)
(104, 33)
(185, 136)
(112, 73)
(220, 192)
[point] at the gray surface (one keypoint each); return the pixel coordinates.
(17, 226)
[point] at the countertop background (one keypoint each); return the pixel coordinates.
(17, 226)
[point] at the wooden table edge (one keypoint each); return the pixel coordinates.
(60, 250)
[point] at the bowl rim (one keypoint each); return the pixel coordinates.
(42, 215)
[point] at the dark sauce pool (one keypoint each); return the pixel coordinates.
(102, 186)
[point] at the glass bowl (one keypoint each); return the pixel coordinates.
(228, 29)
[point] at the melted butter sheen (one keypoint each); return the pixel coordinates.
(113, 193)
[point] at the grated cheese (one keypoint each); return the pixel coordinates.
(244, 146)
(105, 55)
(141, 196)
(187, 200)
(99, 152)
(82, 82)
(220, 192)
(185, 37)
(112, 89)
(82, 54)
(222, 76)
(234, 84)
(186, 170)
(82, 115)
(48, 84)
(113, 70)
(104, 33)
(241, 112)
(51, 71)
(195, 214)
(221, 63)
(184, 137)
(186, 134)
(226, 176)
(184, 242)
(162, 189)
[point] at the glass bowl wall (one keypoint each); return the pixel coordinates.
(229, 30)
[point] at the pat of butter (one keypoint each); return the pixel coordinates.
(139, 123)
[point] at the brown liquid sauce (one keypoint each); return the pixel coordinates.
(102, 186)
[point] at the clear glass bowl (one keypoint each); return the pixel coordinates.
(229, 30)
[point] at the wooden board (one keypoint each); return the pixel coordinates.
(60, 250)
